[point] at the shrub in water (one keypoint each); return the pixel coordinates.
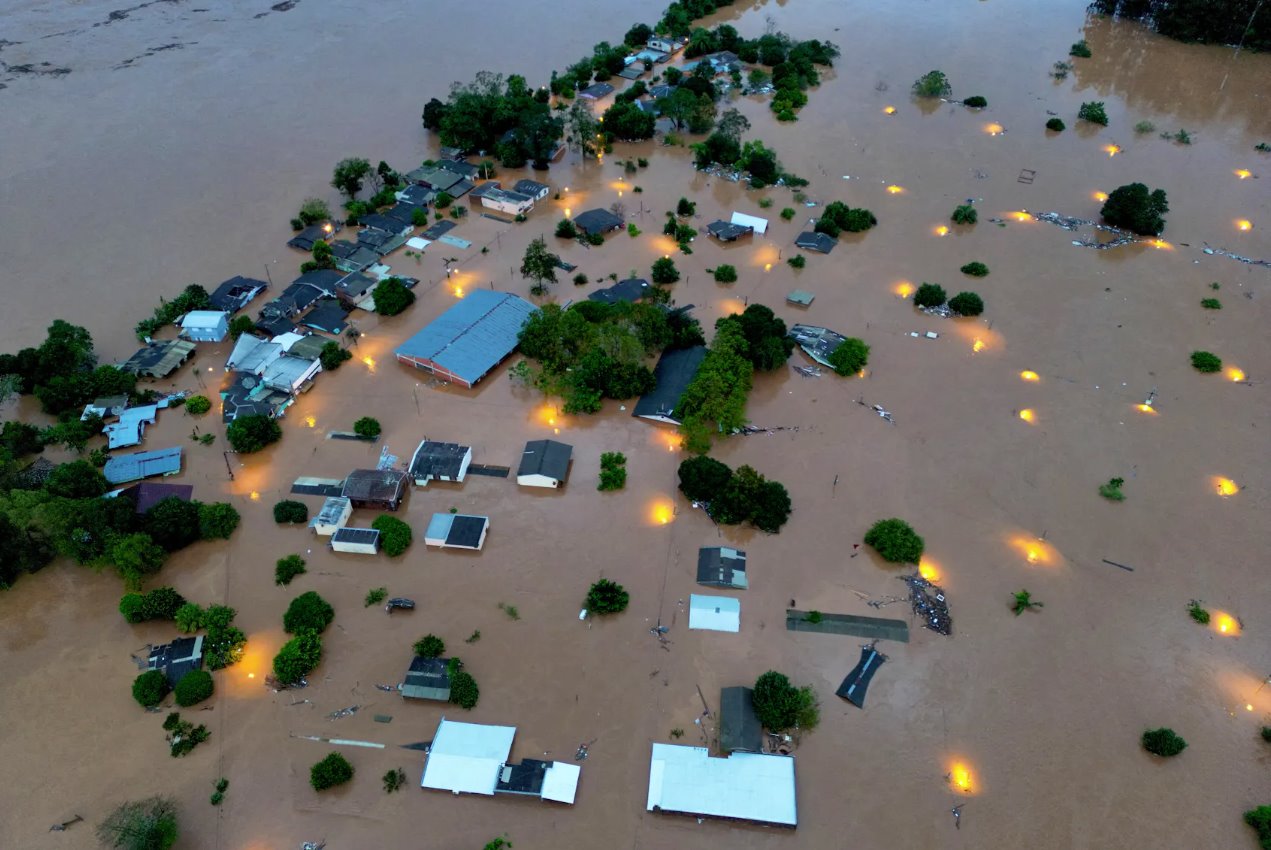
(430, 646)
(932, 84)
(395, 535)
(896, 541)
(606, 597)
(725, 274)
(975, 102)
(850, 356)
(1056, 124)
(331, 771)
(1093, 112)
(289, 510)
(1135, 207)
(1204, 361)
(975, 269)
(194, 687)
(930, 295)
(288, 568)
(964, 214)
(150, 688)
(1163, 742)
(966, 304)
(308, 612)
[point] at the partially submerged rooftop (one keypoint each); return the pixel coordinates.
(457, 531)
(744, 786)
(722, 566)
(464, 343)
(674, 372)
(817, 342)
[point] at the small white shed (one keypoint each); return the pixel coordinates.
(360, 541)
(760, 225)
(714, 613)
(333, 516)
(205, 325)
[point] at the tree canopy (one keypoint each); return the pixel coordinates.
(896, 541)
(391, 296)
(308, 612)
(498, 115)
(606, 597)
(539, 264)
(248, 434)
(149, 824)
(1136, 208)
(779, 705)
(297, 657)
(735, 497)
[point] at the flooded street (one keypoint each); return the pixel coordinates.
(183, 138)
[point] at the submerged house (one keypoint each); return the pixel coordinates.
(120, 469)
(739, 727)
(434, 461)
(327, 315)
(457, 531)
(714, 613)
(320, 232)
(236, 293)
(821, 243)
(597, 221)
(472, 758)
(674, 372)
(146, 495)
(176, 659)
(333, 516)
(722, 566)
(544, 463)
(504, 201)
(464, 343)
(359, 541)
(754, 787)
(726, 231)
(427, 678)
(352, 256)
(534, 189)
(205, 325)
(375, 488)
(246, 394)
(630, 290)
(159, 359)
(817, 342)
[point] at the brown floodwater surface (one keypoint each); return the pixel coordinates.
(183, 136)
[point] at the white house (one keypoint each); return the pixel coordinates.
(759, 225)
(252, 354)
(536, 190)
(664, 43)
(335, 513)
(544, 463)
(289, 374)
(205, 325)
(472, 758)
(744, 786)
(714, 613)
(360, 541)
(512, 203)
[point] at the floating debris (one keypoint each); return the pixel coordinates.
(1225, 253)
(344, 712)
(808, 371)
(929, 603)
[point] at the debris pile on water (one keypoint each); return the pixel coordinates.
(929, 603)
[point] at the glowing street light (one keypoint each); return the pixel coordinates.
(1112, 150)
(895, 190)
(1028, 415)
(1100, 196)
(1235, 373)
(1243, 173)
(1225, 486)
(1028, 375)
(889, 110)
(1244, 225)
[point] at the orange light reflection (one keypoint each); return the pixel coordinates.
(1243, 173)
(661, 511)
(928, 570)
(904, 289)
(1028, 375)
(1225, 486)
(1235, 373)
(895, 190)
(1101, 196)
(1112, 150)
(961, 777)
(1244, 225)
(993, 129)
(889, 110)
(1028, 415)
(1225, 624)
(942, 230)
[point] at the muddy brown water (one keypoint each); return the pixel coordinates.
(124, 180)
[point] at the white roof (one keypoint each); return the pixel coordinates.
(288, 339)
(759, 224)
(716, 613)
(253, 354)
(467, 757)
(560, 783)
(419, 243)
(747, 786)
(203, 319)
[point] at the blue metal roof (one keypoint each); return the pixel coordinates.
(121, 468)
(473, 336)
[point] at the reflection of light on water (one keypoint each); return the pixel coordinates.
(1146, 408)
(904, 289)
(895, 190)
(1100, 196)
(1033, 549)
(767, 267)
(977, 346)
(458, 290)
(1028, 375)
(255, 497)
(1162, 245)
(993, 129)
(1225, 624)
(1225, 486)
(1244, 224)
(370, 363)
(310, 421)
(889, 110)
(567, 211)
(1028, 415)
(672, 440)
(1022, 215)
(928, 570)
(942, 230)
(1243, 173)
(1112, 150)
(1235, 373)
(960, 777)
(661, 511)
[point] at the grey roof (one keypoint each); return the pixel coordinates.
(123, 468)
(437, 460)
(721, 566)
(404, 212)
(631, 289)
(801, 297)
(416, 194)
(739, 728)
(382, 486)
(597, 221)
(813, 241)
(286, 372)
(386, 223)
(485, 188)
(435, 178)
(309, 348)
(177, 658)
(596, 91)
(131, 426)
(428, 678)
(726, 231)
(247, 394)
(314, 233)
(360, 536)
(235, 293)
(332, 509)
(439, 229)
(327, 315)
(473, 336)
(549, 458)
(458, 166)
(355, 285)
(159, 359)
(817, 342)
(506, 195)
(530, 187)
(660, 91)
(674, 372)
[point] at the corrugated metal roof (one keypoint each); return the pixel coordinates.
(122, 468)
(549, 458)
(473, 336)
(361, 536)
(674, 372)
(466, 757)
(745, 786)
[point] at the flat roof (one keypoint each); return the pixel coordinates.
(122, 468)
(714, 613)
(344, 534)
(466, 758)
(744, 786)
(473, 336)
(759, 224)
(560, 783)
(436, 459)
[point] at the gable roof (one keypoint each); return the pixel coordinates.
(438, 460)
(327, 315)
(674, 372)
(810, 240)
(531, 187)
(760, 225)
(632, 289)
(427, 678)
(177, 658)
(596, 91)
(597, 221)
(466, 757)
(817, 342)
(726, 231)
(739, 727)
(159, 359)
(374, 485)
(235, 293)
(150, 493)
(308, 347)
(473, 336)
(252, 354)
(120, 469)
(721, 566)
(548, 458)
(319, 232)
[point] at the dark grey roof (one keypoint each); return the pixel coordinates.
(726, 231)
(353, 256)
(739, 728)
(524, 778)
(150, 493)
(120, 469)
(345, 534)
(355, 285)
(404, 212)
(416, 194)
(485, 188)
(385, 223)
(631, 289)
(817, 342)
(177, 658)
(473, 336)
(234, 294)
(597, 221)
(466, 531)
(439, 229)
(721, 566)
(309, 348)
(438, 460)
(857, 682)
(530, 187)
(159, 359)
(546, 457)
(813, 241)
(458, 166)
(327, 315)
(461, 188)
(595, 91)
(428, 678)
(660, 91)
(275, 324)
(381, 486)
(674, 372)
(314, 233)
(246, 395)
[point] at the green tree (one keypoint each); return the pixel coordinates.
(1112, 490)
(217, 521)
(392, 297)
(932, 84)
(173, 523)
(136, 555)
(628, 122)
(930, 295)
(240, 325)
(192, 688)
(297, 657)
(333, 356)
(664, 271)
(966, 304)
(702, 478)
(606, 597)
(189, 618)
(349, 174)
(313, 211)
(308, 612)
(1163, 742)
(78, 479)
(1204, 361)
(463, 689)
(367, 427)
(149, 824)
(849, 357)
(1093, 112)
(1260, 820)
(1056, 125)
(395, 535)
(613, 471)
(1136, 208)
(197, 405)
(975, 269)
(291, 511)
(767, 340)
(331, 771)
(976, 102)
(896, 541)
(725, 274)
(539, 264)
(248, 434)
(964, 214)
(1024, 602)
(150, 688)
(779, 705)
(565, 229)
(162, 603)
(430, 646)
(287, 568)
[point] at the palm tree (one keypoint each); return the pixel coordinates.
(1024, 601)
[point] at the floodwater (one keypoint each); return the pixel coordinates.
(143, 169)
